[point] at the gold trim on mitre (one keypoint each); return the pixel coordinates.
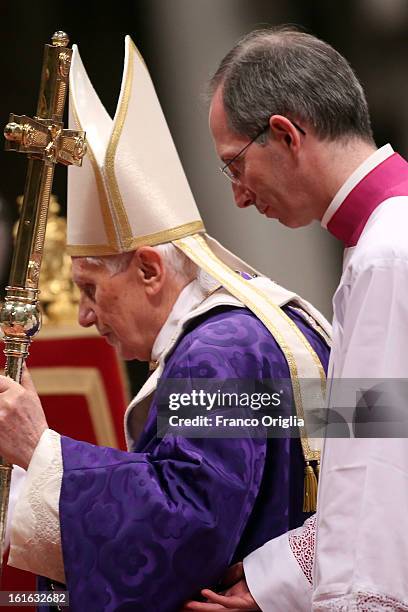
(174, 233)
(118, 123)
(89, 250)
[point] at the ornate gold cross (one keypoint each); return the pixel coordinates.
(44, 137)
(46, 143)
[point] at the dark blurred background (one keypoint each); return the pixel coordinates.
(182, 42)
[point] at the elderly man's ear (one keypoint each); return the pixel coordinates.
(150, 269)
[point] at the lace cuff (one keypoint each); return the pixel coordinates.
(302, 544)
(17, 480)
(35, 529)
(362, 602)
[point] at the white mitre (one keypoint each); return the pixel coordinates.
(132, 191)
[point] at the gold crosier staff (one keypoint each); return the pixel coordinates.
(46, 143)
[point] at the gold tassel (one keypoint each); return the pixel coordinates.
(310, 490)
(317, 471)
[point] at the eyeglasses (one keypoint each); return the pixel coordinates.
(230, 173)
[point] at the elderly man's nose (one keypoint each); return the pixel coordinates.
(86, 316)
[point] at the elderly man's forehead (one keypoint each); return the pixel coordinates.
(83, 267)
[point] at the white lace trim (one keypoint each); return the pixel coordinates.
(363, 601)
(35, 535)
(18, 476)
(302, 544)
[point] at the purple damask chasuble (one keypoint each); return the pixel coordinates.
(144, 531)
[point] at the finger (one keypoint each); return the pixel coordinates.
(201, 606)
(198, 606)
(229, 602)
(6, 383)
(233, 574)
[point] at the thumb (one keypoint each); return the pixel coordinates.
(27, 381)
(6, 383)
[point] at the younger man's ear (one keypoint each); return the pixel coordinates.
(284, 131)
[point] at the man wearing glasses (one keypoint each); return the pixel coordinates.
(291, 124)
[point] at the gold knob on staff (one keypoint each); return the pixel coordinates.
(14, 132)
(24, 134)
(60, 39)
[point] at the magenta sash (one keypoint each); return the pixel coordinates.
(387, 180)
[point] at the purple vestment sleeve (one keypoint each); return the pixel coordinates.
(146, 530)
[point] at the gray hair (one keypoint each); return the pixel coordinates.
(288, 72)
(176, 262)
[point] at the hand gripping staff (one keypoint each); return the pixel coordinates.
(46, 143)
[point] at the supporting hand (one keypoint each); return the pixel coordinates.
(237, 597)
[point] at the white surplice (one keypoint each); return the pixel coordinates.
(361, 560)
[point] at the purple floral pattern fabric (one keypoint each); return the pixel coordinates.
(146, 530)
